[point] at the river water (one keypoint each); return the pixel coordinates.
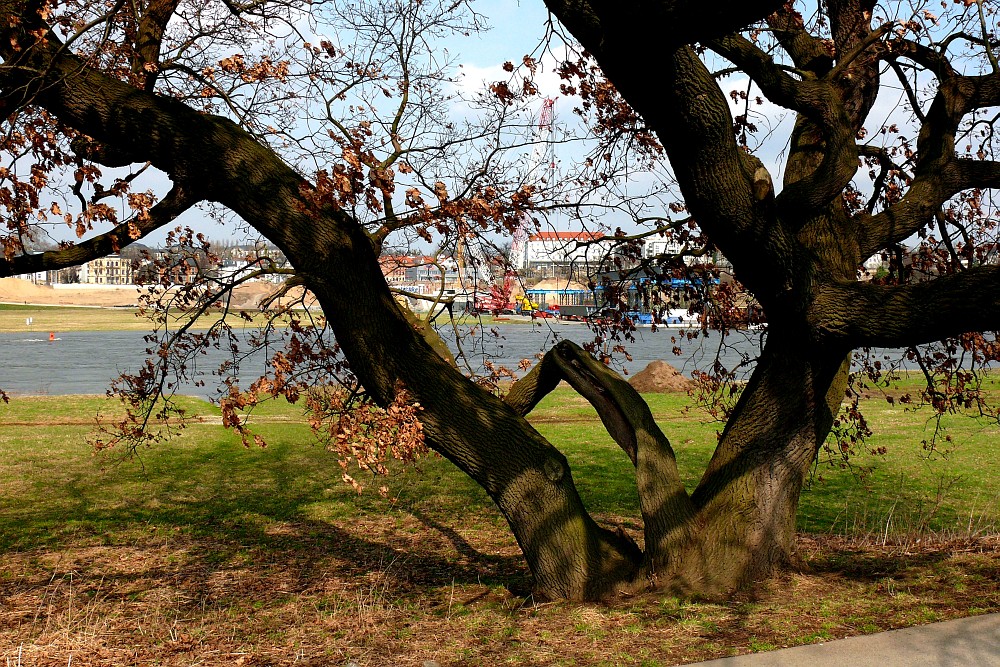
(85, 362)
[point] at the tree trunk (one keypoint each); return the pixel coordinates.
(739, 524)
(570, 556)
(748, 496)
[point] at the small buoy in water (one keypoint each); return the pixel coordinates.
(52, 335)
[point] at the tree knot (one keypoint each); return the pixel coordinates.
(554, 470)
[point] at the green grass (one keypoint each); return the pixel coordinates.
(206, 475)
(910, 488)
(59, 318)
(904, 491)
(67, 318)
(202, 480)
(201, 547)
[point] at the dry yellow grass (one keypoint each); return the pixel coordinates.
(402, 596)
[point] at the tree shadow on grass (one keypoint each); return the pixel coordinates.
(868, 562)
(259, 510)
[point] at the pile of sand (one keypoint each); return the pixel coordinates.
(16, 290)
(249, 296)
(660, 377)
(558, 284)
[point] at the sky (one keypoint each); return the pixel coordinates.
(517, 28)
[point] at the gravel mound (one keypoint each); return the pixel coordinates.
(660, 377)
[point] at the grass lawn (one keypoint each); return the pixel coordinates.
(67, 318)
(203, 552)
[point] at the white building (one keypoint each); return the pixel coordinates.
(38, 277)
(656, 247)
(564, 253)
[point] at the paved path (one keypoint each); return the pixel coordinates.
(972, 642)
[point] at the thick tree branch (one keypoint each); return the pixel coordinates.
(956, 97)
(850, 23)
(856, 46)
(655, 25)
(149, 38)
(807, 96)
(924, 198)
(867, 315)
(939, 173)
(721, 184)
(665, 504)
(934, 60)
(807, 52)
(848, 57)
(698, 122)
(817, 100)
(977, 174)
(163, 213)
(595, 382)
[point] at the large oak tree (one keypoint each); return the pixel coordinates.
(123, 93)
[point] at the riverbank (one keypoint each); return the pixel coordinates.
(46, 317)
(29, 308)
(43, 319)
(15, 291)
(18, 291)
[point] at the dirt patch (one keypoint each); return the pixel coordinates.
(404, 590)
(15, 290)
(660, 377)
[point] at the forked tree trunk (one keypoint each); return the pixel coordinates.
(739, 524)
(748, 496)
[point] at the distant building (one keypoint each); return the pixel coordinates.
(110, 270)
(250, 253)
(658, 247)
(655, 247)
(410, 269)
(173, 266)
(39, 277)
(394, 267)
(431, 269)
(566, 254)
(180, 270)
